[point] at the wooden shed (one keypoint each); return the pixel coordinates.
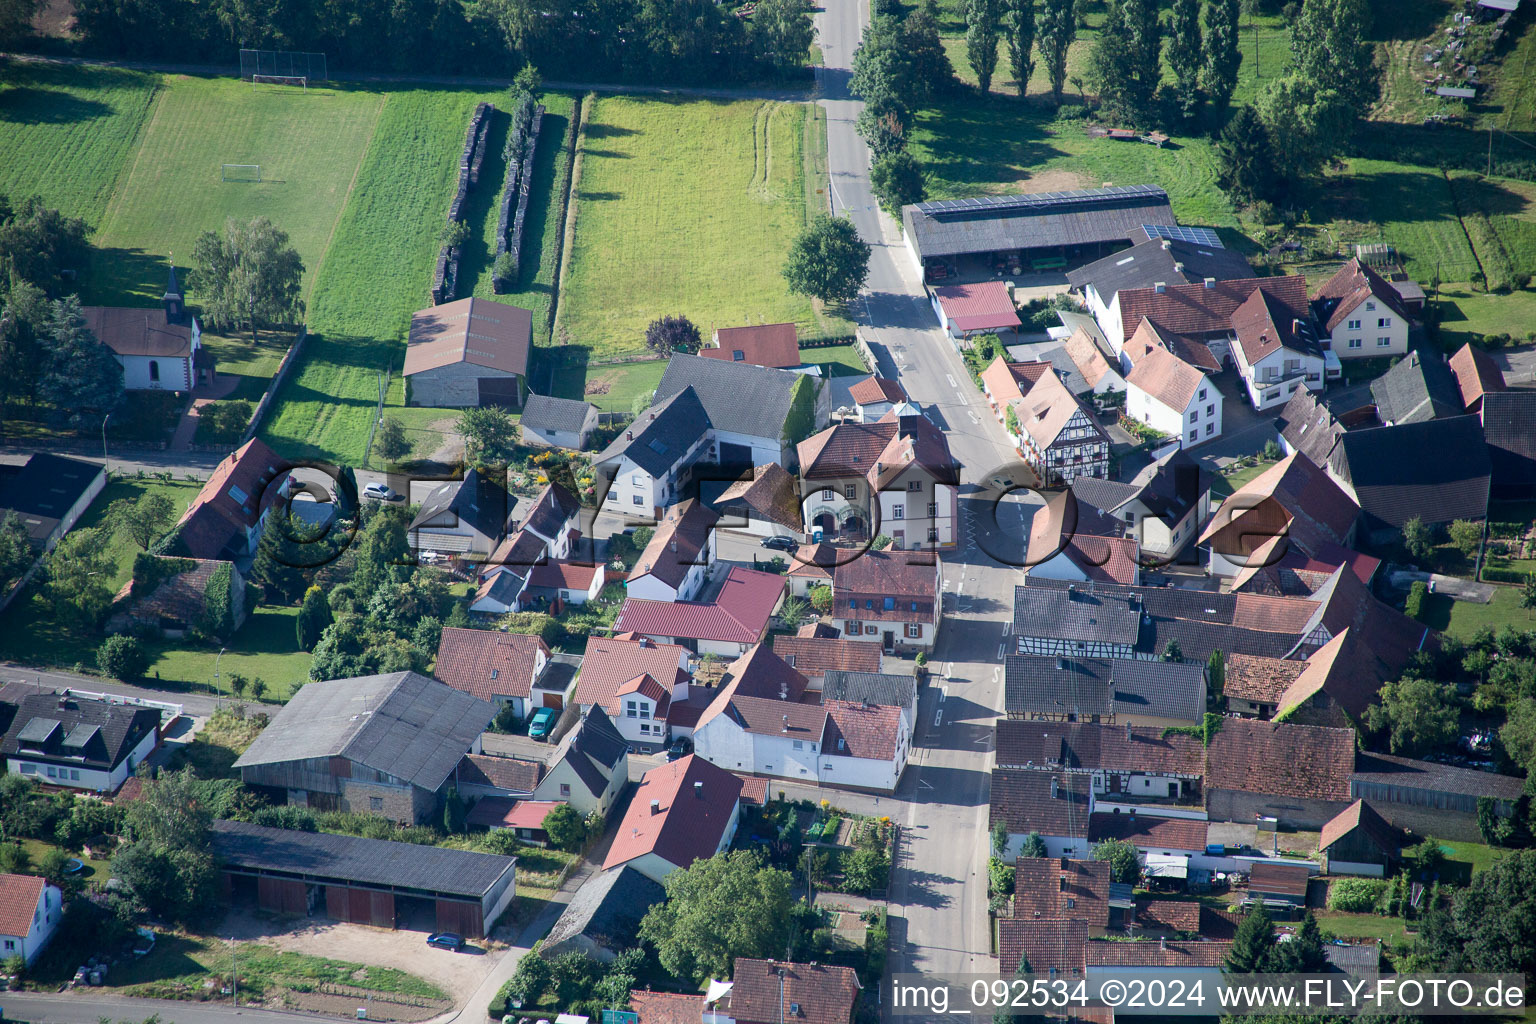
(1360, 842)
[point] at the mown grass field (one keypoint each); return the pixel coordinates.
(683, 207)
(266, 646)
(66, 133)
(377, 272)
(308, 143)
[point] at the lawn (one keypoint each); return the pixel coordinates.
(29, 632)
(1465, 618)
(1226, 484)
(267, 646)
(96, 869)
(836, 360)
(67, 133)
(683, 207)
(1361, 926)
(614, 387)
(254, 364)
(376, 274)
(308, 142)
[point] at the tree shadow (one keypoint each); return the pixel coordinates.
(608, 154)
(595, 197)
(171, 958)
(922, 888)
(603, 130)
(1495, 199)
(26, 105)
(1411, 19)
(978, 145)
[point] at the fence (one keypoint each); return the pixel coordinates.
(866, 353)
(284, 371)
(283, 64)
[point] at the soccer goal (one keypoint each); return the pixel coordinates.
(283, 64)
(299, 80)
(240, 172)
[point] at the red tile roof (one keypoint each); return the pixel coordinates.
(19, 896)
(1085, 355)
(762, 694)
(815, 561)
(687, 823)
(1351, 285)
(876, 451)
(1167, 378)
(739, 613)
(666, 1007)
(861, 730)
(139, 332)
(1085, 745)
(908, 577)
(1197, 309)
(1295, 496)
(776, 345)
(1170, 915)
(1281, 879)
(815, 656)
(1261, 680)
(764, 991)
(504, 812)
(874, 390)
(1005, 381)
(978, 307)
(771, 492)
(563, 576)
(1047, 888)
(1022, 798)
(1148, 831)
(510, 773)
(610, 663)
(488, 664)
(1264, 323)
(1476, 374)
(1049, 945)
(477, 331)
(1156, 954)
(1277, 759)
(232, 500)
(681, 541)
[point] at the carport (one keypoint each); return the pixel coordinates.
(364, 881)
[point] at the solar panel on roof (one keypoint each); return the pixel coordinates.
(1041, 200)
(1181, 233)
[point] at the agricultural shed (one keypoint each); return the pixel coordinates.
(365, 881)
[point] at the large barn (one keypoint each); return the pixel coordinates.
(468, 353)
(365, 881)
(1041, 232)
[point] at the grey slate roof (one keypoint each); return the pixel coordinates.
(1509, 424)
(44, 490)
(594, 749)
(1048, 612)
(1420, 387)
(1408, 773)
(995, 223)
(404, 724)
(1065, 368)
(742, 398)
(1437, 469)
(662, 433)
(476, 499)
(1158, 261)
(322, 855)
(1104, 495)
(1309, 427)
(541, 412)
(1103, 686)
(872, 687)
(86, 733)
(607, 909)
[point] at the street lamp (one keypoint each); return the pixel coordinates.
(217, 691)
(105, 461)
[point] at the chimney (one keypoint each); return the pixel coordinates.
(1127, 732)
(1296, 325)
(1162, 943)
(673, 545)
(1167, 244)
(629, 435)
(786, 723)
(1178, 268)
(1210, 282)
(655, 806)
(698, 791)
(1063, 882)
(1061, 664)
(784, 694)
(1071, 592)
(1160, 287)
(1055, 789)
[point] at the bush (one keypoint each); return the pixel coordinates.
(223, 422)
(1414, 607)
(1356, 895)
(122, 657)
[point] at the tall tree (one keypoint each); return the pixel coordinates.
(1124, 64)
(1055, 28)
(1487, 926)
(1222, 55)
(782, 32)
(886, 81)
(720, 908)
(1245, 165)
(828, 261)
(1185, 55)
(1019, 32)
(84, 381)
(932, 73)
(897, 181)
(38, 243)
(144, 519)
(1330, 50)
(669, 334)
(1307, 125)
(16, 20)
(314, 616)
(981, 40)
(247, 275)
(24, 354)
(490, 435)
(15, 548)
(165, 861)
(1253, 943)
(1417, 714)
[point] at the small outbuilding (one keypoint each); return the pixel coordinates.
(967, 309)
(1278, 885)
(1360, 842)
(558, 422)
(470, 352)
(364, 881)
(603, 918)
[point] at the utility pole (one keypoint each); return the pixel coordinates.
(234, 972)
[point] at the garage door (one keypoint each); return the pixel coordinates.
(499, 391)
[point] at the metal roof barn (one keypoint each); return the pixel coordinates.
(986, 224)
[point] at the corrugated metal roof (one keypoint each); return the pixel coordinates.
(996, 223)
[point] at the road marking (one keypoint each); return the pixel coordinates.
(973, 416)
(951, 379)
(923, 784)
(1000, 649)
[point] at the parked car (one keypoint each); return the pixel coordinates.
(379, 492)
(781, 543)
(542, 722)
(446, 940)
(680, 748)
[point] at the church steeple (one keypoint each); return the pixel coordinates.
(175, 306)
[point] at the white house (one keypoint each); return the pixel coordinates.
(1162, 507)
(1275, 352)
(675, 564)
(681, 812)
(635, 682)
(467, 517)
(554, 518)
(30, 911)
(1171, 396)
(558, 422)
(157, 348)
(589, 768)
(78, 743)
(646, 465)
(759, 723)
(1361, 315)
(1053, 805)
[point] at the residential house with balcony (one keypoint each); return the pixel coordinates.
(1195, 321)
(895, 476)
(78, 743)
(1362, 315)
(1049, 425)
(1173, 397)
(635, 683)
(1147, 263)
(647, 465)
(892, 598)
(675, 563)
(1275, 349)
(1161, 507)
(467, 518)
(497, 667)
